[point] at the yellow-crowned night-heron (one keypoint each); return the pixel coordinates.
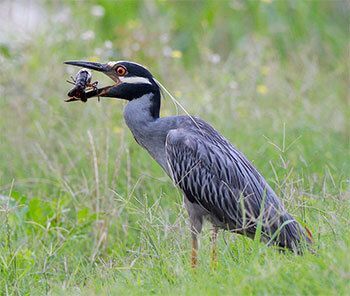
(217, 180)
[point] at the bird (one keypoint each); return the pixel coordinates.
(219, 184)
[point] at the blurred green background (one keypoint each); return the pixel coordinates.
(84, 210)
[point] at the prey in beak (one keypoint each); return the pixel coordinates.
(83, 81)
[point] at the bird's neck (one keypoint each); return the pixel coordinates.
(149, 131)
(141, 111)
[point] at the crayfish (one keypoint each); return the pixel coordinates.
(81, 82)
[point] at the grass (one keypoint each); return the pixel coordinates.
(85, 210)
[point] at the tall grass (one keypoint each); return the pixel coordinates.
(84, 210)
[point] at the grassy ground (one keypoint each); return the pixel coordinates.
(84, 210)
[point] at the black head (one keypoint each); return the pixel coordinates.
(131, 80)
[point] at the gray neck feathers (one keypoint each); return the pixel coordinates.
(137, 112)
(149, 132)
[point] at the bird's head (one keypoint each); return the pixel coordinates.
(131, 80)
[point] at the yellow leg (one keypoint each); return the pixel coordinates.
(194, 252)
(213, 255)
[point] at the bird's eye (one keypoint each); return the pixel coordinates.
(121, 71)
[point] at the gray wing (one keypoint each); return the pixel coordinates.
(215, 175)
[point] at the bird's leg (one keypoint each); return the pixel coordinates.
(213, 255)
(196, 223)
(196, 228)
(194, 253)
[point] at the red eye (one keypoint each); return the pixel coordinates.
(121, 71)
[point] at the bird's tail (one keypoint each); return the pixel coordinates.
(288, 233)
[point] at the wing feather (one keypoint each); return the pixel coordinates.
(214, 174)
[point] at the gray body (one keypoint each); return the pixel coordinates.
(218, 182)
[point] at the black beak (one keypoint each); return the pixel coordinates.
(90, 65)
(107, 91)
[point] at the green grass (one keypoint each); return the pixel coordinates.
(84, 210)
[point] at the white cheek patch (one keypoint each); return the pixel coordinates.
(135, 80)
